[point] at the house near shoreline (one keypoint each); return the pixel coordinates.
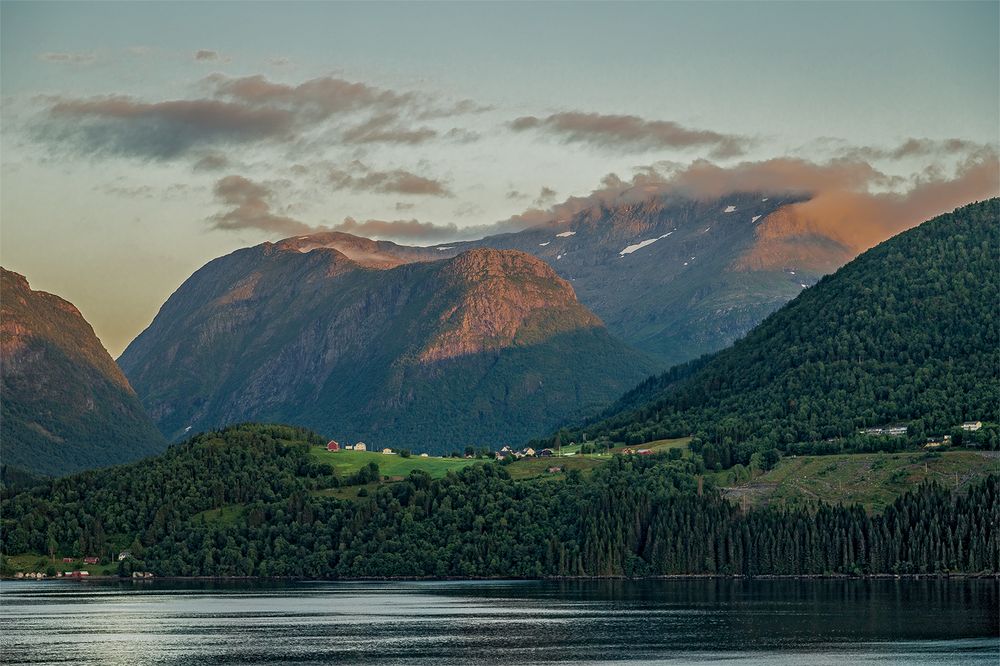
(972, 426)
(885, 431)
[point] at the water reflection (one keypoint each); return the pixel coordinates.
(501, 622)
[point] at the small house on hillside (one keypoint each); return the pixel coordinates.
(332, 445)
(424, 455)
(91, 560)
(545, 453)
(972, 426)
(67, 559)
(645, 452)
(124, 555)
(387, 452)
(360, 446)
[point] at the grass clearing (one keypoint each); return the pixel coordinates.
(349, 462)
(873, 480)
(530, 468)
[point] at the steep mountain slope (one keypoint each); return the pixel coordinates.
(907, 332)
(672, 276)
(65, 405)
(676, 277)
(487, 347)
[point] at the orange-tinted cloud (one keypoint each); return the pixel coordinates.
(360, 178)
(621, 132)
(250, 208)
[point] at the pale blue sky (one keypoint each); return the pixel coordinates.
(117, 233)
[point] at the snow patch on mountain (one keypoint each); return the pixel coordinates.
(566, 234)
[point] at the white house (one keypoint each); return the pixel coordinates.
(972, 426)
(360, 446)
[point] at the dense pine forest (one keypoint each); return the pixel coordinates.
(908, 333)
(251, 501)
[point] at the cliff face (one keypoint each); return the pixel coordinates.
(677, 277)
(483, 348)
(66, 405)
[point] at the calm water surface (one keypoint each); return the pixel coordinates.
(607, 622)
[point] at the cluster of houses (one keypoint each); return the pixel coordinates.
(932, 442)
(527, 452)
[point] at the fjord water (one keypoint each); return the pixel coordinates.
(502, 622)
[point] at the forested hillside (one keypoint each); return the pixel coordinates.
(906, 333)
(250, 500)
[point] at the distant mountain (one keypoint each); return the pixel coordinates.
(65, 405)
(483, 348)
(673, 277)
(909, 332)
(677, 277)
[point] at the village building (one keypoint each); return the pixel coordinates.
(628, 451)
(91, 560)
(387, 452)
(67, 559)
(645, 452)
(124, 555)
(544, 453)
(332, 445)
(885, 431)
(360, 446)
(972, 426)
(424, 455)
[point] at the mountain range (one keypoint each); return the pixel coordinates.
(907, 333)
(369, 342)
(65, 405)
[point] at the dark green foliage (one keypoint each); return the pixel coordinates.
(635, 515)
(906, 333)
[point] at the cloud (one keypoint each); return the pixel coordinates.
(402, 205)
(545, 197)
(360, 178)
(385, 128)
(211, 162)
(204, 54)
(240, 111)
(250, 208)
(161, 130)
(845, 205)
(913, 148)
(68, 58)
(421, 232)
(620, 132)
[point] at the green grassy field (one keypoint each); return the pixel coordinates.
(529, 468)
(27, 562)
(873, 480)
(660, 446)
(349, 462)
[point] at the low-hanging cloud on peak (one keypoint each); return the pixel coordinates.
(848, 202)
(630, 133)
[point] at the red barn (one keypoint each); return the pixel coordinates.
(91, 560)
(332, 446)
(67, 559)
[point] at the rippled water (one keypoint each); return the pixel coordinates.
(502, 622)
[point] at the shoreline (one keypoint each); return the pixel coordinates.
(667, 577)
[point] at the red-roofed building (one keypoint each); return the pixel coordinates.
(332, 446)
(91, 560)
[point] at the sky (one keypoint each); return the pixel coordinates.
(140, 140)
